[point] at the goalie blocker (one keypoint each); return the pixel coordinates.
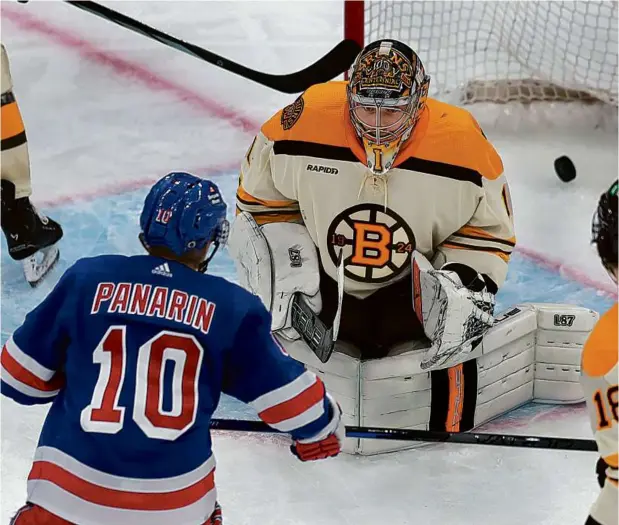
(532, 353)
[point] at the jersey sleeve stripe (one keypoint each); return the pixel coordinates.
(295, 407)
(247, 198)
(27, 362)
(118, 498)
(268, 218)
(284, 393)
(474, 232)
(481, 236)
(304, 418)
(479, 244)
(19, 377)
(32, 393)
(503, 255)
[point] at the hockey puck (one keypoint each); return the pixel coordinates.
(565, 169)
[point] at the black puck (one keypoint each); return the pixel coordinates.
(565, 168)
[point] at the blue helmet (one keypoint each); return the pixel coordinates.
(183, 212)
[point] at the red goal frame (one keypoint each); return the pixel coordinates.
(354, 21)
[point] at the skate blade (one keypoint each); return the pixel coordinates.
(38, 265)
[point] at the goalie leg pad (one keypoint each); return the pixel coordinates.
(532, 353)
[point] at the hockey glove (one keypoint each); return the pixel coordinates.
(274, 262)
(327, 443)
(453, 316)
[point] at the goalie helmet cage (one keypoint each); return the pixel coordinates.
(501, 51)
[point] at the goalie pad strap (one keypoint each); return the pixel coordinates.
(454, 397)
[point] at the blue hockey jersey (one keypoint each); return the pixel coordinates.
(133, 353)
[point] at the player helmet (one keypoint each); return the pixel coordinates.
(183, 213)
(604, 228)
(387, 93)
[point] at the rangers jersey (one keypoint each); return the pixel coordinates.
(133, 353)
(446, 196)
(599, 381)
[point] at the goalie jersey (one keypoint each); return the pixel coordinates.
(133, 353)
(446, 196)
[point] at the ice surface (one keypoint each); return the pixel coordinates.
(108, 112)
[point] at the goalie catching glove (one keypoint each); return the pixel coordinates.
(454, 316)
(275, 261)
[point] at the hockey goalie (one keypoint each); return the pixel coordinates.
(389, 213)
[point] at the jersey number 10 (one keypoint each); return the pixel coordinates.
(104, 413)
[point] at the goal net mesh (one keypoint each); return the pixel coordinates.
(502, 51)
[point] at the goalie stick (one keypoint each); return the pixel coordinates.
(335, 62)
(320, 338)
(465, 438)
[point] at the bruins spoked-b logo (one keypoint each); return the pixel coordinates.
(377, 243)
(291, 113)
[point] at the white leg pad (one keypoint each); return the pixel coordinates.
(532, 353)
(561, 333)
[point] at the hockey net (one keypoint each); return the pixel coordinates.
(502, 51)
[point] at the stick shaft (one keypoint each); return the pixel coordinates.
(467, 438)
(326, 68)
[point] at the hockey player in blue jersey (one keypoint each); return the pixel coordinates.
(133, 353)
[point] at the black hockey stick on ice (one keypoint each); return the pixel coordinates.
(465, 438)
(335, 62)
(317, 335)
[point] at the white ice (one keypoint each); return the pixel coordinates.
(107, 112)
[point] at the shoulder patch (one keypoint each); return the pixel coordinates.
(291, 113)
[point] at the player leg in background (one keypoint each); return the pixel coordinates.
(34, 515)
(30, 237)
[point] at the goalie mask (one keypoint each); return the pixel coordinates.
(387, 93)
(604, 229)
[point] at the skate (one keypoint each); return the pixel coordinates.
(31, 237)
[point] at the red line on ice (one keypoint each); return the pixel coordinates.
(118, 188)
(567, 271)
(123, 67)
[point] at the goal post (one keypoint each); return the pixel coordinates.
(501, 51)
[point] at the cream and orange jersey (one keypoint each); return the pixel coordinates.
(599, 382)
(15, 163)
(446, 195)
